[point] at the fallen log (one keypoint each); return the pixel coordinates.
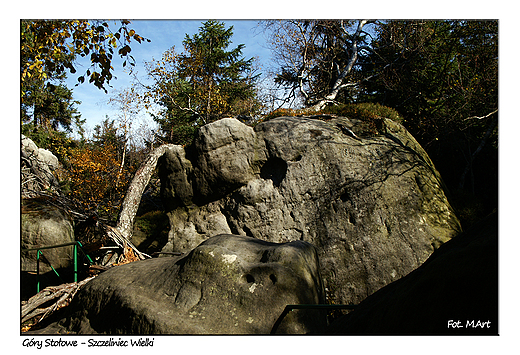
(59, 296)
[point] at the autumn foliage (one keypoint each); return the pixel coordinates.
(96, 180)
(50, 47)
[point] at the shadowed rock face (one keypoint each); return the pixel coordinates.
(227, 285)
(454, 292)
(374, 207)
(45, 225)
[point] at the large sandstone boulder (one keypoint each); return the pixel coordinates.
(226, 285)
(45, 225)
(42, 225)
(454, 292)
(372, 204)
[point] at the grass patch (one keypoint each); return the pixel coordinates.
(370, 114)
(364, 111)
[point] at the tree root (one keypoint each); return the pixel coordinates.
(34, 309)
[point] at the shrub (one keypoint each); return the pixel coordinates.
(283, 112)
(95, 179)
(364, 111)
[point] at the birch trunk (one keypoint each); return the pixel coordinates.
(338, 85)
(135, 191)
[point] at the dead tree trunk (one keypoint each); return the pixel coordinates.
(59, 295)
(135, 191)
(340, 84)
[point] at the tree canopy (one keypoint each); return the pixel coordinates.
(205, 82)
(436, 73)
(439, 77)
(318, 60)
(49, 48)
(48, 52)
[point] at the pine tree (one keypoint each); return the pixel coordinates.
(206, 82)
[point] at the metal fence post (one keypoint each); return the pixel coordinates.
(38, 271)
(40, 252)
(81, 248)
(75, 262)
(290, 307)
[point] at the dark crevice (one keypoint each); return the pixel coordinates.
(248, 232)
(273, 278)
(264, 257)
(298, 158)
(250, 278)
(274, 169)
(345, 197)
(232, 226)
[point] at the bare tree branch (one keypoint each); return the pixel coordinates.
(60, 295)
(481, 117)
(348, 68)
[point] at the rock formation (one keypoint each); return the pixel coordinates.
(45, 225)
(37, 167)
(372, 204)
(42, 224)
(297, 210)
(226, 285)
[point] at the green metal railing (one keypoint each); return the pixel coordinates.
(40, 253)
(290, 307)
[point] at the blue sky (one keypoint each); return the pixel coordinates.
(163, 35)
